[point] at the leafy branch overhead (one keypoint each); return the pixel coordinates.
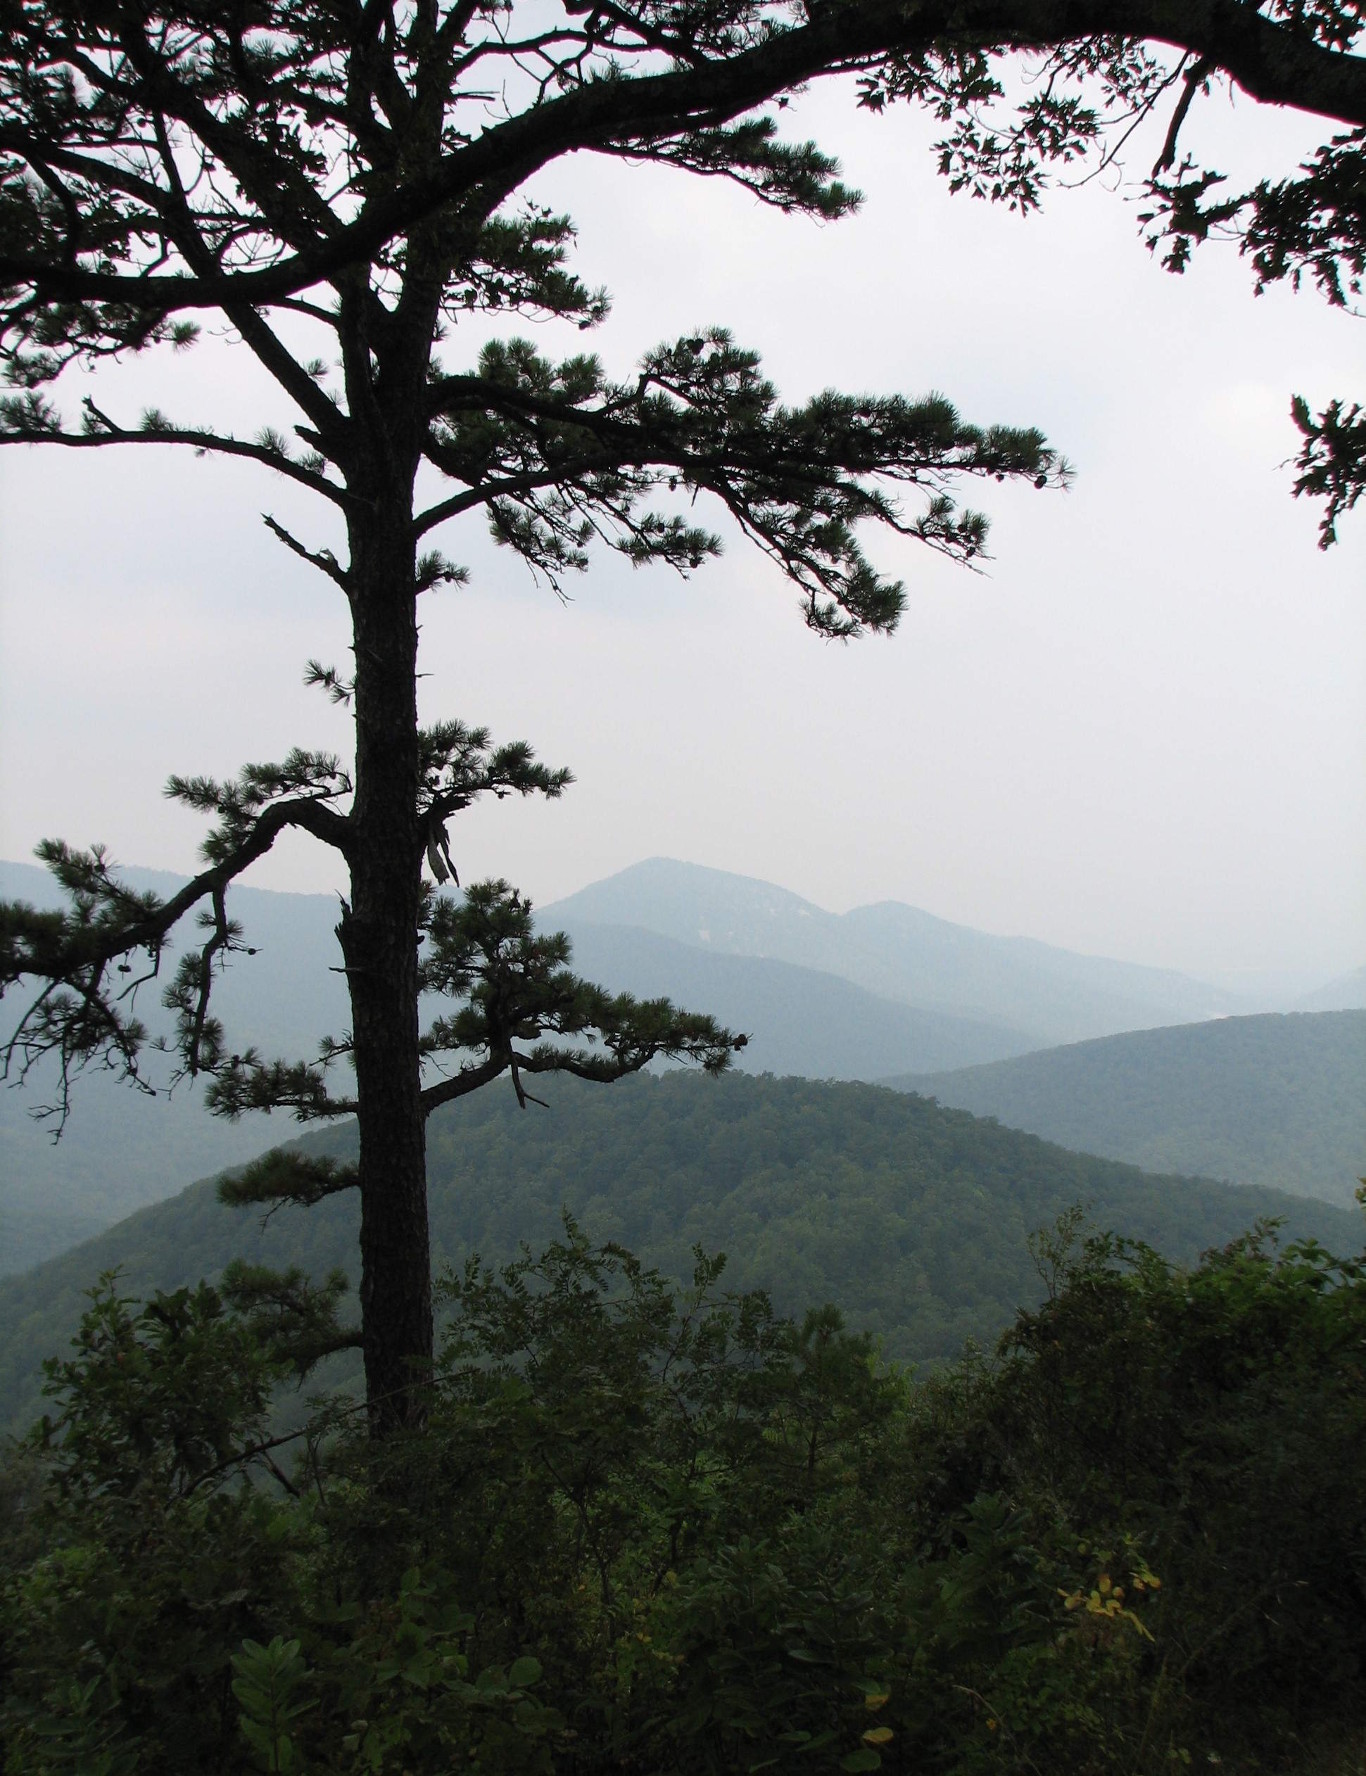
(560, 457)
(160, 165)
(1085, 102)
(116, 231)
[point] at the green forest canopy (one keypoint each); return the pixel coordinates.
(912, 1218)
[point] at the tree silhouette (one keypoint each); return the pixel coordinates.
(351, 174)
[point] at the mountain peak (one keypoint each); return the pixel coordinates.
(895, 950)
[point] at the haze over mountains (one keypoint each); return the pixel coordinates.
(881, 991)
(1041, 994)
(1346, 993)
(799, 1020)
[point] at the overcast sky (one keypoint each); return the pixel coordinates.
(1141, 733)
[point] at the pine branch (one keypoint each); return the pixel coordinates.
(559, 456)
(289, 1316)
(514, 986)
(85, 955)
(282, 1176)
(240, 1083)
(1269, 58)
(24, 420)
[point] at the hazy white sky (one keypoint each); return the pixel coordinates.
(1141, 733)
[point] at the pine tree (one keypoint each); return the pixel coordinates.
(333, 169)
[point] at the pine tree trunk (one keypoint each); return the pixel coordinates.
(378, 934)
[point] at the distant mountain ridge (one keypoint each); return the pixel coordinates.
(799, 1020)
(1346, 993)
(879, 991)
(1052, 995)
(1276, 1100)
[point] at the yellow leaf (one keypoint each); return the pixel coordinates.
(877, 1735)
(878, 1699)
(1104, 1583)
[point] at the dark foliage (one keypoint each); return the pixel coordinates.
(645, 1528)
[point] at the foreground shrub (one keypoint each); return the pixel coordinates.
(651, 1529)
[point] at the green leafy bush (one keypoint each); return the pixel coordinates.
(646, 1529)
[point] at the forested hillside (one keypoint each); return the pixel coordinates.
(910, 1217)
(121, 1151)
(805, 1014)
(1278, 1101)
